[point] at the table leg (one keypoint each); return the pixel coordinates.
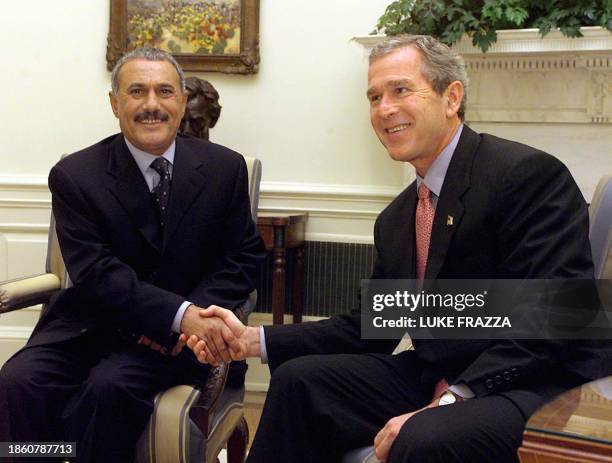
(278, 277)
(298, 284)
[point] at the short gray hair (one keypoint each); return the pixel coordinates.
(441, 64)
(148, 54)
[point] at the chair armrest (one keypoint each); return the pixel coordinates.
(201, 412)
(25, 292)
(245, 309)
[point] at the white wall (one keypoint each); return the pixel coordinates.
(55, 81)
(304, 114)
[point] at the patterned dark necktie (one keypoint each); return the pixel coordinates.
(161, 192)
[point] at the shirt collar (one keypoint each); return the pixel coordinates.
(437, 171)
(144, 159)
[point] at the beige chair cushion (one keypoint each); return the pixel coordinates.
(171, 436)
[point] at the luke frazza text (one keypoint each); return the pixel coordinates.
(412, 301)
(443, 322)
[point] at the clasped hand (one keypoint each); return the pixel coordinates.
(214, 334)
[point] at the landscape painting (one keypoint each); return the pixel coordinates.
(203, 35)
(185, 26)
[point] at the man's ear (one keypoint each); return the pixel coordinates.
(454, 97)
(113, 101)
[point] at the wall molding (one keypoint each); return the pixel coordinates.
(19, 333)
(522, 41)
(23, 228)
(336, 192)
(336, 212)
(20, 183)
(38, 183)
(326, 213)
(25, 203)
(528, 41)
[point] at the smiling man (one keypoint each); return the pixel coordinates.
(152, 227)
(412, 119)
(150, 104)
(516, 214)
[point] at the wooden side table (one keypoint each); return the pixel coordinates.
(281, 232)
(575, 427)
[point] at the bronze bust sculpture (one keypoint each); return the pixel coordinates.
(203, 108)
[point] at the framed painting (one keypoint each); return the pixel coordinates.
(203, 35)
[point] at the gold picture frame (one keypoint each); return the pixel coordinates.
(226, 32)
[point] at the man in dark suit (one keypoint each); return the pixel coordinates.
(481, 207)
(152, 227)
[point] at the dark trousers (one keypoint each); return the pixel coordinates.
(319, 407)
(97, 393)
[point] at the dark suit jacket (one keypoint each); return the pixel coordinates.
(127, 275)
(517, 214)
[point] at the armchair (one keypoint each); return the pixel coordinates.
(188, 423)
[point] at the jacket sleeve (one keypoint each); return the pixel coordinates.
(542, 225)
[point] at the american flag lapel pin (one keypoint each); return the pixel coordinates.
(449, 220)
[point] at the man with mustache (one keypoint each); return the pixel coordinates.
(481, 208)
(152, 227)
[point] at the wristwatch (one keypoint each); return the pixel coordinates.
(449, 397)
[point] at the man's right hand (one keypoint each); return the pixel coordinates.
(247, 338)
(213, 332)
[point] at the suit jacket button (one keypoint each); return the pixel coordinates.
(507, 375)
(489, 383)
(515, 372)
(83, 330)
(498, 379)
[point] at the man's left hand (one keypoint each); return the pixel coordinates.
(386, 436)
(178, 347)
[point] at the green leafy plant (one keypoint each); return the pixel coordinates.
(448, 20)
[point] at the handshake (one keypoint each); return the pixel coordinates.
(215, 335)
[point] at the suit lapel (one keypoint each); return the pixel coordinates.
(450, 210)
(129, 187)
(188, 180)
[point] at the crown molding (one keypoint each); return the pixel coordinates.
(522, 41)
